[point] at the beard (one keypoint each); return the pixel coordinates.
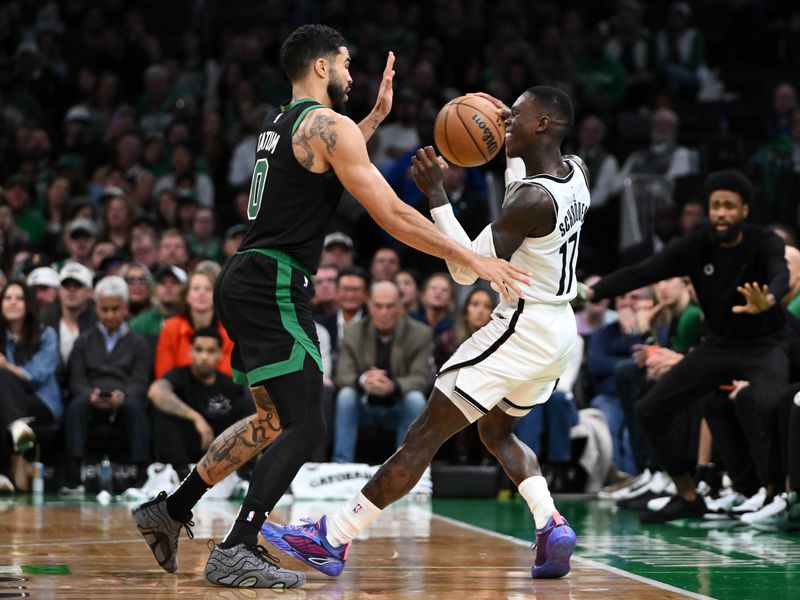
(337, 90)
(734, 229)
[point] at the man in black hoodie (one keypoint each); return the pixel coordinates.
(726, 260)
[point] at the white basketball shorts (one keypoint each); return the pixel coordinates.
(513, 362)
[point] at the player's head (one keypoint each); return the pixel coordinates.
(729, 193)
(542, 115)
(206, 351)
(319, 52)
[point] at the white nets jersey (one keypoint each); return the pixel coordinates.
(552, 258)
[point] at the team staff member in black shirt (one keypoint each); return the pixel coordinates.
(726, 260)
(194, 404)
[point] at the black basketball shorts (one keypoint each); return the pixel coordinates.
(263, 299)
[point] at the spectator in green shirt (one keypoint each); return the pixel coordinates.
(27, 218)
(168, 286)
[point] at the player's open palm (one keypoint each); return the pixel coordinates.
(757, 298)
(504, 276)
(383, 104)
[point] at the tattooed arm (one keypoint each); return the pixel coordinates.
(165, 399)
(328, 139)
(383, 105)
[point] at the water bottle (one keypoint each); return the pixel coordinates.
(106, 475)
(37, 482)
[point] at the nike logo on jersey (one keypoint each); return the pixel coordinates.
(305, 281)
(276, 118)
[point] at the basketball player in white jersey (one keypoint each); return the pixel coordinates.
(506, 367)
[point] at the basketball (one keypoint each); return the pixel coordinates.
(468, 132)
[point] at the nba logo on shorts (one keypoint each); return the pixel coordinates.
(250, 515)
(357, 509)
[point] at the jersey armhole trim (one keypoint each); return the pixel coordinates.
(302, 116)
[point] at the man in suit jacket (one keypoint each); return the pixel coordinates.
(384, 372)
(109, 371)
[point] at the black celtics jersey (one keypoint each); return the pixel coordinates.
(290, 207)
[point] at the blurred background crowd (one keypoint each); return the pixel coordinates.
(127, 142)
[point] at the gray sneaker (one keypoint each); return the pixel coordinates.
(243, 566)
(161, 531)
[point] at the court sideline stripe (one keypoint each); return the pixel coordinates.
(580, 560)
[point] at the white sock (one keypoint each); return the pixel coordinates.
(346, 524)
(534, 490)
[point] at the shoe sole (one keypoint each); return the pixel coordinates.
(560, 547)
(330, 567)
(245, 580)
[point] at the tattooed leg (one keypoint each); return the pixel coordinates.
(440, 420)
(242, 440)
(497, 434)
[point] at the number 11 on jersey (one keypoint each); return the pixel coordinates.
(257, 188)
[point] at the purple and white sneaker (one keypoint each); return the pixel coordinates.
(555, 543)
(308, 543)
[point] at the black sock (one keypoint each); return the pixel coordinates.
(247, 525)
(181, 501)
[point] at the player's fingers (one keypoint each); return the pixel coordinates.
(520, 274)
(738, 309)
(423, 157)
(431, 154)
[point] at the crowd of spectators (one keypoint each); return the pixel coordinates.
(127, 139)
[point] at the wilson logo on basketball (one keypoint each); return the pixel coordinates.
(488, 136)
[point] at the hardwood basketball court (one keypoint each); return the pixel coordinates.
(86, 550)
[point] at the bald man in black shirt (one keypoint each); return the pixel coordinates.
(726, 260)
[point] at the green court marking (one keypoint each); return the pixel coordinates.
(732, 562)
(35, 570)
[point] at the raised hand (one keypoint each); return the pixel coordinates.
(757, 298)
(427, 169)
(383, 104)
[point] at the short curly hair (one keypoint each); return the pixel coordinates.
(306, 44)
(730, 179)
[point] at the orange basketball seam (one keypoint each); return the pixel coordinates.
(450, 148)
(469, 133)
(488, 118)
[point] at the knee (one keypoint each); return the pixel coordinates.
(134, 408)
(346, 399)
(414, 402)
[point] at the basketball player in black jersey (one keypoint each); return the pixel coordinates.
(306, 152)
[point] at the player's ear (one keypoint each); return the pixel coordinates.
(321, 67)
(544, 123)
(745, 210)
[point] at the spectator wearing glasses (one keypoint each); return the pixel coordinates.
(140, 287)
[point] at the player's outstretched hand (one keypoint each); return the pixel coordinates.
(757, 298)
(504, 276)
(502, 110)
(427, 169)
(383, 104)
